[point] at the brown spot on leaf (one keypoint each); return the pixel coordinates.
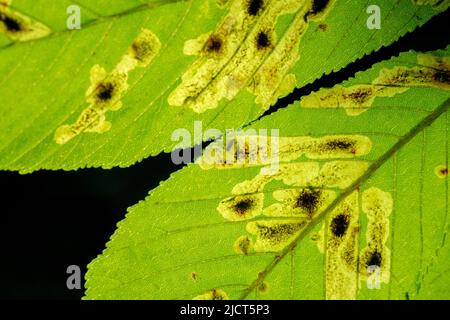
(309, 200)
(441, 77)
(318, 8)
(214, 44)
(339, 225)
(243, 206)
(441, 171)
(243, 245)
(323, 27)
(263, 287)
(263, 40)
(105, 91)
(254, 7)
(11, 24)
(374, 259)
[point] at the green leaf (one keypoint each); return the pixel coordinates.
(88, 100)
(360, 195)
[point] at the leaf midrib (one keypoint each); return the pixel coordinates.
(427, 121)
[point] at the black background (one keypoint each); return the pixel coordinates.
(53, 219)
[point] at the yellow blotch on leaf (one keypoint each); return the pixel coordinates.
(243, 51)
(107, 89)
(342, 250)
(434, 72)
(274, 236)
(258, 150)
(441, 171)
(305, 202)
(378, 205)
(19, 27)
(241, 207)
(243, 245)
(214, 294)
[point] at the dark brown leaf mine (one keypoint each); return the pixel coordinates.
(278, 232)
(217, 295)
(342, 145)
(323, 27)
(263, 40)
(243, 206)
(254, 7)
(318, 7)
(11, 24)
(309, 200)
(401, 77)
(441, 77)
(428, 76)
(374, 259)
(361, 95)
(339, 225)
(243, 245)
(105, 91)
(141, 50)
(214, 44)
